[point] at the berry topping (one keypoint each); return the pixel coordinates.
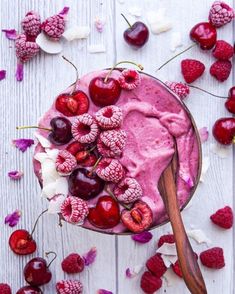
(29, 290)
(105, 214)
(213, 258)
(60, 131)
(109, 117)
(223, 217)
(139, 218)
(5, 289)
(22, 243)
(220, 14)
(221, 69)
(223, 50)
(111, 143)
(31, 24)
(25, 49)
(180, 89)
(69, 287)
(85, 184)
(149, 283)
(192, 69)
(128, 190)
(204, 34)
(224, 130)
(110, 170)
(85, 129)
(129, 79)
(166, 239)
(73, 264)
(54, 26)
(230, 103)
(74, 210)
(65, 162)
(156, 265)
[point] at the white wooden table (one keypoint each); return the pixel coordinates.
(45, 76)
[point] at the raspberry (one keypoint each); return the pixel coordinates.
(111, 143)
(213, 258)
(5, 289)
(69, 287)
(180, 89)
(192, 69)
(73, 264)
(85, 129)
(149, 283)
(176, 267)
(223, 217)
(223, 50)
(110, 170)
(166, 239)
(25, 50)
(221, 69)
(109, 117)
(128, 190)
(65, 162)
(31, 24)
(129, 79)
(220, 14)
(74, 210)
(156, 265)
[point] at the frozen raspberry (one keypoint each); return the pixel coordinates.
(111, 143)
(223, 50)
(166, 239)
(176, 267)
(73, 264)
(31, 24)
(74, 210)
(192, 69)
(221, 69)
(25, 50)
(110, 170)
(149, 283)
(180, 89)
(220, 14)
(5, 289)
(129, 79)
(213, 258)
(65, 162)
(69, 287)
(109, 117)
(85, 129)
(223, 217)
(156, 265)
(128, 190)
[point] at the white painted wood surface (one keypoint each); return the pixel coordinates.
(45, 76)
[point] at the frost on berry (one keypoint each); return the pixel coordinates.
(109, 117)
(180, 89)
(65, 162)
(31, 23)
(74, 210)
(25, 50)
(54, 26)
(129, 79)
(128, 190)
(69, 287)
(220, 14)
(110, 170)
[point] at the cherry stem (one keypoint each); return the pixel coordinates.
(36, 222)
(48, 253)
(95, 165)
(126, 20)
(120, 62)
(77, 75)
(92, 149)
(169, 60)
(205, 91)
(114, 197)
(233, 140)
(33, 127)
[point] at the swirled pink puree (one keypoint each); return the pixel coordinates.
(156, 124)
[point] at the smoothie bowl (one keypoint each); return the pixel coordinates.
(103, 145)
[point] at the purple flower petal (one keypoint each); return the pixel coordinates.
(2, 74)
(204, 134)
(19, 72)
(64, 11)
(90, 256)
(15, 175)
(13, 218)
(10, 34)
(143, 237)
(103, 291)
(128, 273)
(99, 25)
(23, 144)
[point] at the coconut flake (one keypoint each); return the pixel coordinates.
(48, 189)
(176, 41)
(220, 150)
(2, 74)
(42, 140)
(204, 134)
(48, 45)
(96, 48)
(199, 236)
(76, 32)
(158, 21)
(169, 253)
(55, 203)
(62, 186)
(205, 166)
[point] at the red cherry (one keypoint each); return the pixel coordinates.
(106, 214)
(29, 290)
(205, 34)
(230, 103)
(89, 161)
(22, 243)
(224, 130)
(75, 147)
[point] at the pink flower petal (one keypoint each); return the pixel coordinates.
(204, 134)
(10, 34)
(23, 144)
(19, 72)
(2, 74)
(64, 11)
(99, 25)
(128, 273)
(12, 219)
(143, 237)
(15, 175)
(90, 256)
(103, 291)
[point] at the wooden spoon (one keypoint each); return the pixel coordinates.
(190, 270)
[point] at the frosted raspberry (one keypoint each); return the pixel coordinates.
(220, 14)
(25, 50)
(111, 143)
(65, 162)
(74, 209)
(128, 190)
(110, 170)
(109, 117)
(31, 24)
(69, 287)
(180, 89)
(85, 129)
(129, 79)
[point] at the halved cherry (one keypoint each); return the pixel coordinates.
(22, 243)
(75, 147)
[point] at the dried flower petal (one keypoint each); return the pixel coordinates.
(90, 256)
(15, 175)
(134, 272)
(99, 25)
(103, 291)
(12, 219)
(204, 134)
(64, 11)
(23, 144)
(2, 74)
(19, 72)
(10, 34)
(143, 237)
